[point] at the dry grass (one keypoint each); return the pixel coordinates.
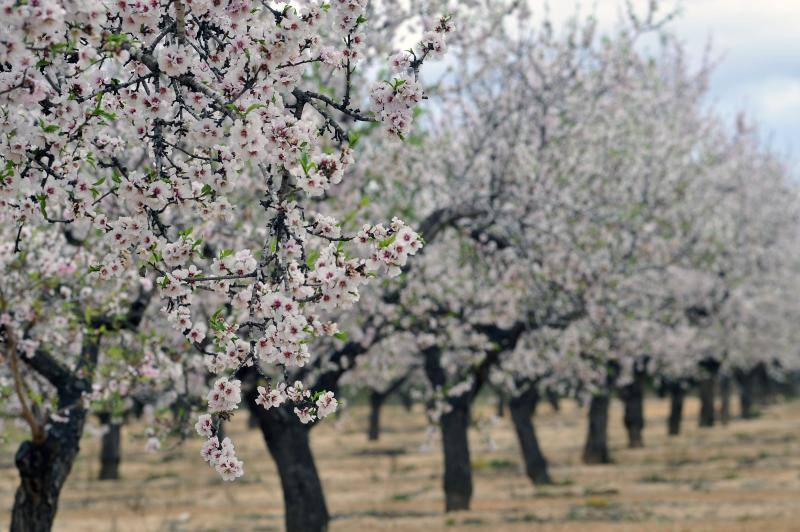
(745, 476)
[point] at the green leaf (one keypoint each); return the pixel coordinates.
(386, 242)
(253, 107)
(42, 199)
(312, 257)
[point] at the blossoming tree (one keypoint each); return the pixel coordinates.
(141, 125)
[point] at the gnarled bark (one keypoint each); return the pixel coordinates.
(522, 408)
(596, 448)
(43, 468)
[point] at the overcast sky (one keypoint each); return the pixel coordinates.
(758, 44)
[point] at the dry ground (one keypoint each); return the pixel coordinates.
(745, 476)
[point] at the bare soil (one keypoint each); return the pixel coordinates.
(743, 476)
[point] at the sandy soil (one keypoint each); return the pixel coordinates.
(745, 476)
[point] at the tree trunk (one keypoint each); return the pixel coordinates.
(522, 410)
(288, 442)
(43, 469)
(706, 390)
(252, 421)
(406, 400)
(676, 394)
(110, 453)
(746, 381)
(501, 405)
(725, 395)
(765, 391)
(633, 397)
(376, 400)
(457, 465)
(552, 398)
(596, 449)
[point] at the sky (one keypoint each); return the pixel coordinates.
(757, 45)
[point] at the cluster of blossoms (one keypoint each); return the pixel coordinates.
(222, 457)
(153, 124)
(394, 100)
(310, 407)
(395, 245)
(225, 395)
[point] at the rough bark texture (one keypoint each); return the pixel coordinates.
(43, 469)
(376, 400)
(596, 449)
(110, 450)
(288, 442)
(45, 463)
(522, 408)
(632, 396)
(676, 394)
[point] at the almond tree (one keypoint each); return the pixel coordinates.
(140, 125)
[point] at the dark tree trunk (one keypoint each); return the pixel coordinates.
(110, 453)
(746, 381)
(725, 395)
(501, 404)
(522, 408)
(288, 442)
(406, 400)
(552, 398)
(457, 465)
(706, 391)
(676, 395)
(633, 397)
(376, 400)
(252, 421)
(596, 449)
(43, 469)
(764, 389)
